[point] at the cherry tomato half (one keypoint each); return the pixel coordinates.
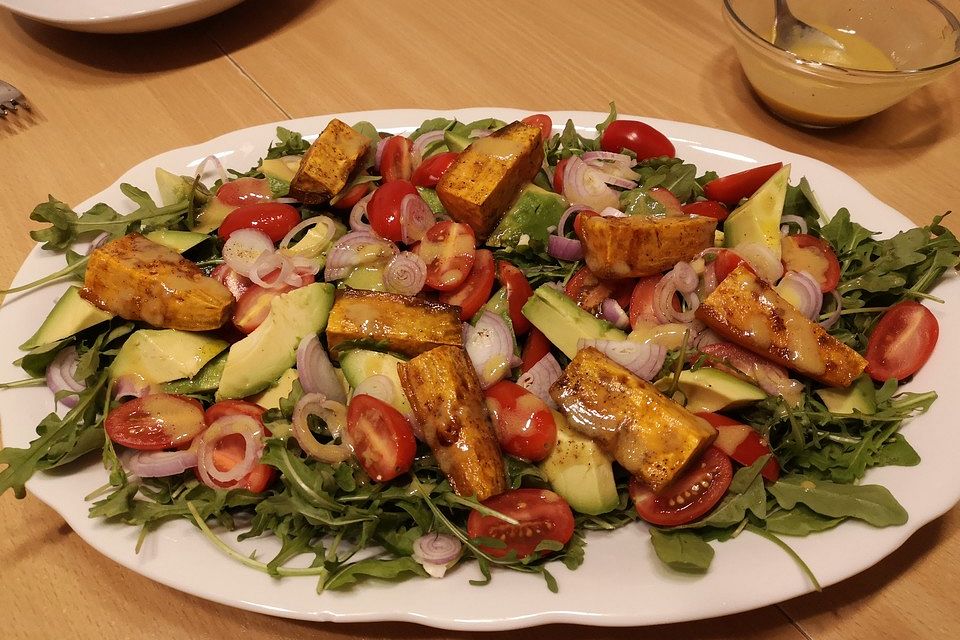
(253, 307)
(524, 423)
(352, 196)
(233, 281)
(430, 171)
(543, 121)
(737, 186)
(475, 291)
(155, 422)
(641, 301)
(231, 449)
(383, 210)
(542, 514)
(396, 161)
(902, 341)
(244, 191)
(518, 292)
(804, 252)
(590, 291)
(726, 261)
(382, 438)
(742, 443)
(707, 209)
(558, 175)
(667, 199)
(639, 137)
(578, 221)
(448, 249)
(534, 349)
(273, 218)
(679, 504)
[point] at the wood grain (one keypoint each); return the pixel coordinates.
(104, 103)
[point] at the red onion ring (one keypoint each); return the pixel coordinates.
(582, 184)
(436, 549)
(490, 347)
(98, 242)
(415, 218)
(835, 314)
(614, 313)
(709, 279)
(801, 286)
(217, 165)
(315, 371)
(644, 359)
(160, 464)
(130, 386)
(60, 376)
(236, 424)
(333, 414)
(359, 212)
(685, 277)
(353, 250)
(422, 142)
(379, 386)
(561, 226)
(379, 154)
(244, 247)
(608, 156)
(564, 248)
(538, 379)
(612, 212)
(785, 222)
(663, 296)
(329, 229)
(406, 273)
(275, 264)
(764, 261)
(616, 181)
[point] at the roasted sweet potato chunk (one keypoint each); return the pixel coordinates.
(650, 435)
(328, 163)
(444, 392)
(402, 324)
(480, 185)
(636, 246)
(747, 311)
(138, 279)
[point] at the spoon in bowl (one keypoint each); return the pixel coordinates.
(788, 30)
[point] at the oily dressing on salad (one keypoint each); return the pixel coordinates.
(476, 342)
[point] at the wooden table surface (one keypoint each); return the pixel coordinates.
(105, 103)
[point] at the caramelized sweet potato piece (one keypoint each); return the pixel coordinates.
(328, 163)
(636, 246)
(444, 392)
(650, 435)
(479, 186)
(402, 324)
(138, 279)
(747, 311)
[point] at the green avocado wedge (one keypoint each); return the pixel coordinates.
(258, 361)
(71, 315)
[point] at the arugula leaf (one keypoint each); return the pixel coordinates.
(374, 568)
(799, 521)
(871, 503)
(682, 551)
(672, 174)
(291, 144)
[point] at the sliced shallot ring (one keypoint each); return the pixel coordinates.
(328, 224)
(269, 263)
(538, 379)
(244, 247)
(316, 372)
(415, 218)
(236, 424)
(329, 411)
(160, 464)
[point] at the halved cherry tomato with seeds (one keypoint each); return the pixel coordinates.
(382, 438)
(231, 449)
(155, 422)
(396, 162)
(688, 497)
(542, 514)
(383, 210)
(448, 249)
(742, 443)
(902, 341)
(804, 252)
(475, 291)
(524, 423)
(518, 292)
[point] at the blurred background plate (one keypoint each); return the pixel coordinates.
(117, 16)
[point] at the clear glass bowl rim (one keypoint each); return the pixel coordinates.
(766, 44)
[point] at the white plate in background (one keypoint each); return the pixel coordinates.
(117, 16)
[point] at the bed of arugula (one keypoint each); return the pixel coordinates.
(353, 529)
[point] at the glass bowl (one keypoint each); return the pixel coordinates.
(919, 39)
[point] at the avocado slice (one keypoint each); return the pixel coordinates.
(564, 322)
(530, 220)
(366, 277)
(207, 379)
(283, 169)
(709, 389)
(456, 142)
(173, 188)
(270, 397)
(757, 220)
(258, 361)
(71, 315)
(580, 471)
(162, 355)
(359, 364)
(179, 241)
(860, 396)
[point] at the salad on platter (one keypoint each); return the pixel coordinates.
(476, 342)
